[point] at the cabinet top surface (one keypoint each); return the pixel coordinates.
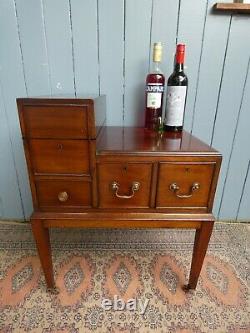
(138, 140)
(60, 99)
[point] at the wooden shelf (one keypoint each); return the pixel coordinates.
(243, 8)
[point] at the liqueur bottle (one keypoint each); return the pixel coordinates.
(176, 93)
(155, 82)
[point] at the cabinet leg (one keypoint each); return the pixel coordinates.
(202, 237)
(41, 235)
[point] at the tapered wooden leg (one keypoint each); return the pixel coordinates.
(41, 235)
(202, 237)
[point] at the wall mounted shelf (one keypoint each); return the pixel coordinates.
(242, 8)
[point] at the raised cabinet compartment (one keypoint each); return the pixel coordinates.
(62, 117)
(59, 156)
(58, 194)
(59, 135)
(55, 121)
(124, 185)
(185, 186)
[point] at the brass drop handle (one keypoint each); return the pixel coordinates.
(175, 188)
(63, 196)
(134, 187)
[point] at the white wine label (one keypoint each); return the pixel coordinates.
(155, 88)
(154, 94)
(154, 100)
(176, 97)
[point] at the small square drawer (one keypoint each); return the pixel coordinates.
(55, 121)
(63, 193)
(59, 156)
(184, 185)
(124, 185)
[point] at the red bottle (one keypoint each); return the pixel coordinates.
(154, 91)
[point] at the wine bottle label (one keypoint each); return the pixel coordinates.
(154, 95)
(176, 96)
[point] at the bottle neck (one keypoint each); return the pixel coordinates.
(179, 67)
(156, 67)
(179, 60)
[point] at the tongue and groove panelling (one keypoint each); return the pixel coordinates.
(13, 84)
(105, 47)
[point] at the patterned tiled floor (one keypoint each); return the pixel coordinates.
(150, 266)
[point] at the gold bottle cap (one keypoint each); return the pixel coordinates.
(157, 52)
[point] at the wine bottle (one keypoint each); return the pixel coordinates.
(176, 93)
(155, 82)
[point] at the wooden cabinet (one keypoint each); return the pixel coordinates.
(53, 194)
(59, 156)
(124, 184)
(83, 174)
(68, 118)
(54, 121)
(185, 186)
(59, 136)
(181, 177)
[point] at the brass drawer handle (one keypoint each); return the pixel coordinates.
(175, 188)
(63, 196)
(134, 187)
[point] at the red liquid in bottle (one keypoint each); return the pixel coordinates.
(176, 94)
(154, 81)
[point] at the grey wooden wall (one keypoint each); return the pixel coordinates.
(104, 46)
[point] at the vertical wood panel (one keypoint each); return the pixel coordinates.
(231, 94)
(33, 44)
(104, 46)
(13, 85)
(59, 41)
(2, 215)
(111, 53)
(164, 29)
(84, 28)
(238, 162)
(190, 32)
(10, 200)
(244, 207)
(211, 68)
(137, 43)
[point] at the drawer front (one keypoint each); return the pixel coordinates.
(55, 121)
(184, 185)
(63, 193)
(124, 185)
(59, 156)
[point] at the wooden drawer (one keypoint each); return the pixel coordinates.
(55, 121)
(184, 185)
(63, 193)
(59, 156)
(124, 185)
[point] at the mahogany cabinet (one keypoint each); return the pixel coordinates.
(85, 174)
(59, 136)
